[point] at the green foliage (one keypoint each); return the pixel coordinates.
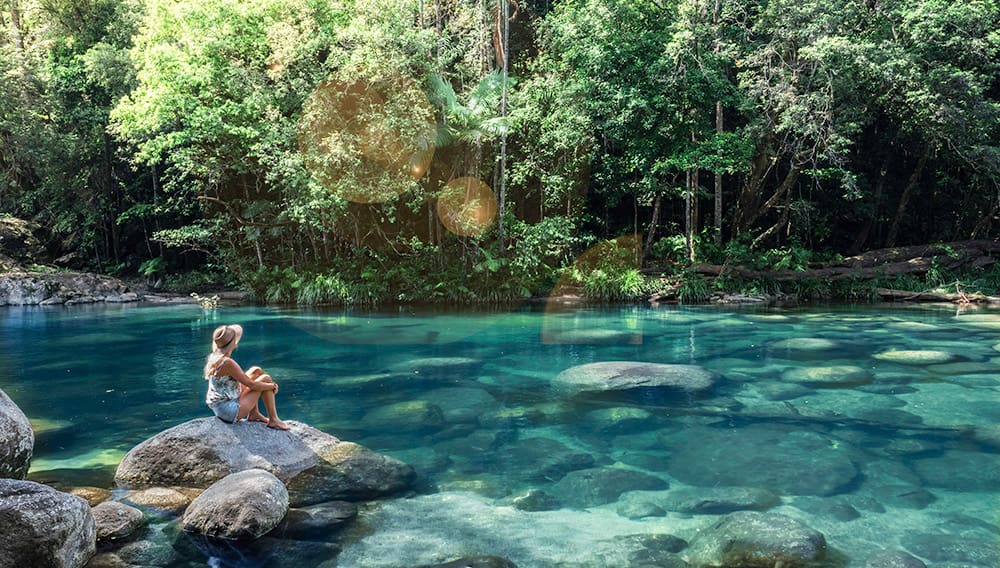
(621, 285)
(152, 267)
(306, 147)
(693, 289)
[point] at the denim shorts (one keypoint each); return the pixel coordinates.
(226, 410)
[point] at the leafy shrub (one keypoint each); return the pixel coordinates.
(693, 289)
(617, 285)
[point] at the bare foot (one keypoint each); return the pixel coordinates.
(277, 425)
(256, 416)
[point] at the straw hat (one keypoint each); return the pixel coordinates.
(226, 337)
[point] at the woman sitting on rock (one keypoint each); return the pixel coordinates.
(232, 394)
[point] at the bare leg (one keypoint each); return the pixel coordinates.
(272, 412)
(248, 404)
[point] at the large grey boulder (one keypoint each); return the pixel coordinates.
(314, 465)
(17, 440)
(612, 376)
(19, 288)
(748, 539)
(241, 506)
(44, 528)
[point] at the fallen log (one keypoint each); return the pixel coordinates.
(960, 298)
(876, 264)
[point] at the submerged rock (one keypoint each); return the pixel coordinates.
(783, 459)
(17, 440)
(961, 471)
(720, 500)
(317, 522)
(893, 559)
(241, 506)
(904, 496)
(539, 459)
(165, 500)
(408, 416)
(94, 495)
(314, 465)
(915, 356)
(750, 539)
(535, 500)
(598, 486)
(942, 548)
(116, 521)
(805, 344)
(44, 528)
(610, 376)
(438, 367)
(476, 562)
(835, 375)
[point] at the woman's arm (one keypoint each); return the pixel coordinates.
(233, 369)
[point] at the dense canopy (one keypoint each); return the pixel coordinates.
(365, 150)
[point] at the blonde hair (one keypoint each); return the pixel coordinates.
(224, 340)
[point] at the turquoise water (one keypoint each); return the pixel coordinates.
(877, 426)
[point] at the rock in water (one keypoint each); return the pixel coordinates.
(241, 506)
(601, 485)
(116, 521)
(44, 528)
(748, 539)
(893, 559)
(782, 459)
(316, 467)
(834, 375)
(720, 500)
(17, 440)
(476, 562)
(609, 376)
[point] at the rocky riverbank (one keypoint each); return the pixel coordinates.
(224, 485)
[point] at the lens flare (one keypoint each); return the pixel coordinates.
(466, 206)
(366, 141)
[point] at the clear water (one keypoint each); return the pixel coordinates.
(905, 457)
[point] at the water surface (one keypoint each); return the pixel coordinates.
(876, 426)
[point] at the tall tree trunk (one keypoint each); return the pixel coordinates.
(748, 203)
(503, 113)
(862, 238)
(784, 192)
(718, 175)
(693, 206)
(653, 222)
(890, 240)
